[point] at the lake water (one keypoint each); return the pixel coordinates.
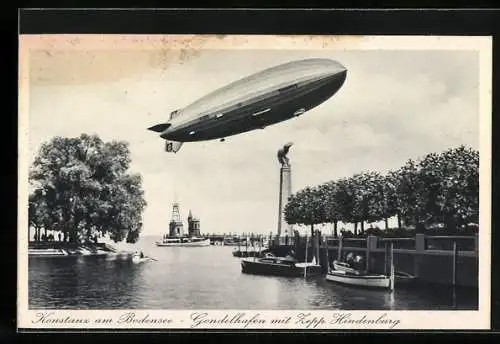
(207, 278)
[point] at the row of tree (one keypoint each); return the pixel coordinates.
(81, 187)
(438, 189)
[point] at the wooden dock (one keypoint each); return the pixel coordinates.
(448, 260)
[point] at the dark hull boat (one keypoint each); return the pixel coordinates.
(279, 266)
(245, 254)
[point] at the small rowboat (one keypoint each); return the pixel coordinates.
(367, 281)
(138, 259)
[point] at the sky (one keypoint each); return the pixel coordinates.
(394, 105)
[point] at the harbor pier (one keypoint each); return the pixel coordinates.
(445, 260)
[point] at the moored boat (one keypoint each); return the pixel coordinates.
(246, 253)
(47, 252)
(184, 242)
(361, 280)
(400, 278)
(279, 266)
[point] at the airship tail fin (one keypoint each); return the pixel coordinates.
(159, 128)
(172, 146)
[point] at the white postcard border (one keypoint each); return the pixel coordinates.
(262, 319)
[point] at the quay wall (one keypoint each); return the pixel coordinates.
(453, 262)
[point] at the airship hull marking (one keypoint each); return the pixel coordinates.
(258, 113)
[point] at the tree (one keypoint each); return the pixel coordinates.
(442, 188)
(87, 187)
(383, 202)
(344, 194)
(369, 205)
(332, 206)
(451, 181)
(38, 213)
(306, 207)
(409, 193)
(391, 187)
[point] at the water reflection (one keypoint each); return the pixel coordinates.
(208, 278)
(83, 282)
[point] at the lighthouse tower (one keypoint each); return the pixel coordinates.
(193, 225)
(175, 227)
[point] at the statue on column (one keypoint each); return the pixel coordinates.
(282, 158)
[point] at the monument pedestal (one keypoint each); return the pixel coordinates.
(285, 192)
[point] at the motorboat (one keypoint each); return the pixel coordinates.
(361, 280)
(401, 278)
(279, 266)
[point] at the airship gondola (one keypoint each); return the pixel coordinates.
(268, 97)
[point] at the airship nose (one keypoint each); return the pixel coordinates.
(341, 76)
(335, 75)
(335, 68)
(332, 67)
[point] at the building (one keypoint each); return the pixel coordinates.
(176, 229)
(193, 226)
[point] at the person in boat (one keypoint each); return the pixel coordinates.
(349, 258)
(358, 262)
(142, 254)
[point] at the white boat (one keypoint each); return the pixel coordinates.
(184, 242)
(49, 252)
(309, 266)
(367, 281)
(84, 251)
(138, 259)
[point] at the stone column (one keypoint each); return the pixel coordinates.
(285, 192)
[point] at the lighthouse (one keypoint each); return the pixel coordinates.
(176, 229)
(193, 226)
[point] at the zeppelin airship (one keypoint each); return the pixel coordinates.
(268, 97)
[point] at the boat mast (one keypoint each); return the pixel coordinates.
(305, 259)
(392, 266)
(327, 258)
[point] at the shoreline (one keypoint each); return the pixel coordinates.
(66, 249)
